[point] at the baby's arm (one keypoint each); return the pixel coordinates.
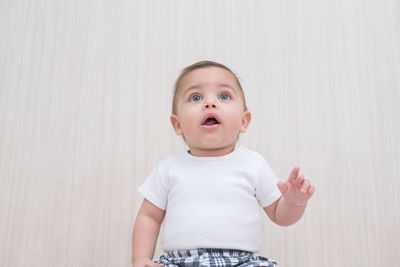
(145, 234)
(289, 208)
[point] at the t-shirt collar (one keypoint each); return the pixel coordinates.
(226, 156)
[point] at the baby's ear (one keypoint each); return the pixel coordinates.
(245, 121)
(175, 124)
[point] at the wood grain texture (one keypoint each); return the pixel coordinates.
(85, 98)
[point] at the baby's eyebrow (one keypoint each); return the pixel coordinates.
(226, 85)
(199, 85)
(191, 88)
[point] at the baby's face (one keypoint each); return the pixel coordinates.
(210, 111)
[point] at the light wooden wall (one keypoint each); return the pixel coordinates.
(85, 97)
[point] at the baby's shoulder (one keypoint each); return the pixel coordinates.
(251, 154)
(170, 160)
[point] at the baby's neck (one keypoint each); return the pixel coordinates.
(211, 152)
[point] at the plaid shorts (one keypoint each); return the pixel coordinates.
(214, 258)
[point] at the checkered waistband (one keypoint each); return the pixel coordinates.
(210, 252)
(207, 257)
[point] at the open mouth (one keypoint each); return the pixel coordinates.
(210, 120)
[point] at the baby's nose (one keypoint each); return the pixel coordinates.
(209, 104)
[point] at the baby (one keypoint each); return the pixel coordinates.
(209, 197)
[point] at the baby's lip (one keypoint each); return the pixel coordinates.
(210, 115)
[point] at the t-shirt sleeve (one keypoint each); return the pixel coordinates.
(267, 191)
(155, 189)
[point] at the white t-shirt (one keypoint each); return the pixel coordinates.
(212, 202)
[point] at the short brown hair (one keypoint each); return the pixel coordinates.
(199, 65)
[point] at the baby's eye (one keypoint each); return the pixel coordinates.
(195, 98)
(224, 97)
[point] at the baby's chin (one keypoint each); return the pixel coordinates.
(212, 149)
(215, 141)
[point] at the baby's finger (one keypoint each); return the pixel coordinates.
(305, 186)
(293, 175)
(299, 181)
(282, 187)
(310, 191)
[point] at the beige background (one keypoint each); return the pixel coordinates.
(85, 93)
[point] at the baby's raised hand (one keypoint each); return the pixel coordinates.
(296, 190)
